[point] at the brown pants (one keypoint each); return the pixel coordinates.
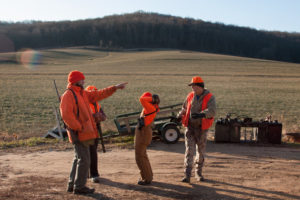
(142, 140)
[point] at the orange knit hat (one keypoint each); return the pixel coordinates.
(147, 94)
(75, 76)
(91, 88)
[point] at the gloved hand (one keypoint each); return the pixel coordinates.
(99, 117)
(155, 99)
(179, 119)
(176, 119)
(198, 115)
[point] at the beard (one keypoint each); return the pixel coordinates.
(79, 85)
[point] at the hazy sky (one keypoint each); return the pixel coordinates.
(279, 15)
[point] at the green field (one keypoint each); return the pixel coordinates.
(244, 86)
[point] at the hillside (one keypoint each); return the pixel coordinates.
(152, 30)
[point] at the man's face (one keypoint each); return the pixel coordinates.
(80, 83)
(197, 90)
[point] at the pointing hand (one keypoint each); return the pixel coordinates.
(121, 85)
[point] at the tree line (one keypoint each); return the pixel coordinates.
(152, 30)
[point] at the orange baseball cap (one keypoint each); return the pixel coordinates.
(196, 79)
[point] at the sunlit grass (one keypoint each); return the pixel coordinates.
(33, 141)
(244, 86)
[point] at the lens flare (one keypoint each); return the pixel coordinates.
(29, 58)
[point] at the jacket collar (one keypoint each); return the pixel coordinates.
(205, 92)
(74, 88)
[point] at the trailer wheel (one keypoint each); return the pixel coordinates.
(170, 134)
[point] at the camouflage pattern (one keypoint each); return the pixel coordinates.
(195, 141)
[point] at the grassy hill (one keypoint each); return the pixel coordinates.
(244, 86)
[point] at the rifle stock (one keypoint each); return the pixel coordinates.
(99, 129)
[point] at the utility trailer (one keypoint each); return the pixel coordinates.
(165, 125)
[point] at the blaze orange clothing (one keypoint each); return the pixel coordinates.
(93, 107)
(148, 108)
(89, 89)
(206, 122)
(85, 124)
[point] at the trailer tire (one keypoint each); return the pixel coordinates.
(170, 134)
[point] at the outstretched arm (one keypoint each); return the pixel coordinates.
(95, 96)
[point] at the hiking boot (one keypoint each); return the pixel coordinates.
(84, 190)
(199, 178)
(143, 182)
(70, 188)
(185, 179)
(96, 179)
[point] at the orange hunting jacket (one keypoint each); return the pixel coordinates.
(85, 124)
(148, 107)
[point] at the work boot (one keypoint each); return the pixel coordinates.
(199, 178)
(84, 190)
(96, 179)
(70, 187)
(186, 179)
(144, 182)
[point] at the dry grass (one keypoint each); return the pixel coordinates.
(243, 86)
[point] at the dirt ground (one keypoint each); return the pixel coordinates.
(232, 171)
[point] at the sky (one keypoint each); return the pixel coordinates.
(270, 15)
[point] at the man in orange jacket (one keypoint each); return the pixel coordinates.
(81, 127)
(197, 115)
(99, 117)
(143, 136)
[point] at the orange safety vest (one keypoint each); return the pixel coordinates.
(93, 107)
(206, 122)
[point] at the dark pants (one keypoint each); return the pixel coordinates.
(94, 159)
(80, 166)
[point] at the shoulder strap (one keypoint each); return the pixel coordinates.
(151, 113)
(95, 107)
(75, 101)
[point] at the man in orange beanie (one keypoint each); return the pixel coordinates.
(197, 115)
(81, 127)
(143, 136)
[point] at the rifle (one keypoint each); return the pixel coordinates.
(99, 129)
(58, 96)
(56, 113)
(56, 91)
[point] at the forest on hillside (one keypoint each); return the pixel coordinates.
(152, 30)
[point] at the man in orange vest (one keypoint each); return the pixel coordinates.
(99, 117)
(197, 115)
(143, 136)
(81, 126)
